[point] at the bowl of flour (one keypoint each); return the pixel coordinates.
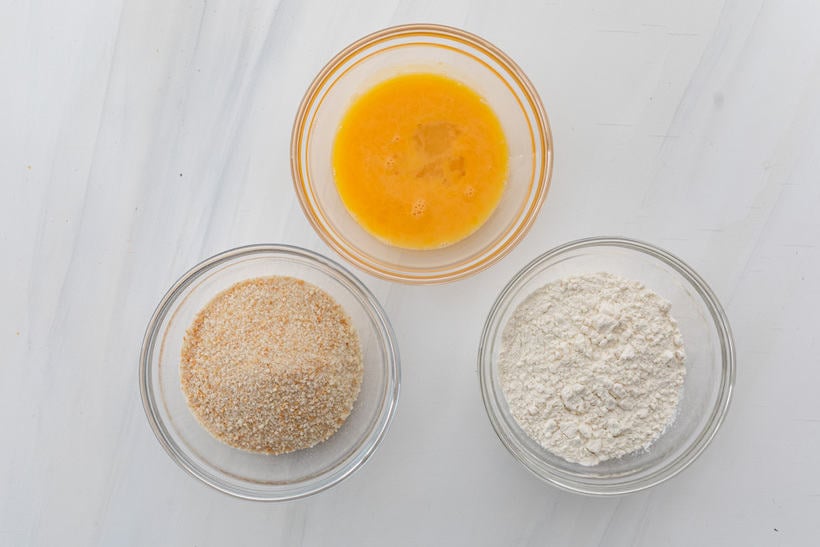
(606, 366)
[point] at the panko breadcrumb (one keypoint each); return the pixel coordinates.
(272, 365)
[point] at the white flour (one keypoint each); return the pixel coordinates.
(592, 367)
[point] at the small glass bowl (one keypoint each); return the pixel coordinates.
(433, 49)
(710, 365)
(259, 476)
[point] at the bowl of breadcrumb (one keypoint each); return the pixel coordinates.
(606, 366)
(269, 372)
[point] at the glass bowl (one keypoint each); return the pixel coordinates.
(440, 50)
(252, 475)
(710, 365)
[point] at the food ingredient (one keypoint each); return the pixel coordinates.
(420, 161)
(592, 367)
(272, 364)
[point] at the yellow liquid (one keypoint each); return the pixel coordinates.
(420, 161)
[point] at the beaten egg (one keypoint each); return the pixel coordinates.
(420, 161)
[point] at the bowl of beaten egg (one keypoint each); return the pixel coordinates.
(421, 154)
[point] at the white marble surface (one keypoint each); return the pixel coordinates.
(140, 136)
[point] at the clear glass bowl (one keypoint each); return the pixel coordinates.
(441, 50)
(710, 365)
(260, 476)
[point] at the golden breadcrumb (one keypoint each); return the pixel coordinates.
(272, 364)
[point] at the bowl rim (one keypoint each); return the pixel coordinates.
(670, 469)
(502, 244)
(337, 473)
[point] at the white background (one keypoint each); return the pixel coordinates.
(138, 137)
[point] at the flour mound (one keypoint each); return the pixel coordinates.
(592, 367)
